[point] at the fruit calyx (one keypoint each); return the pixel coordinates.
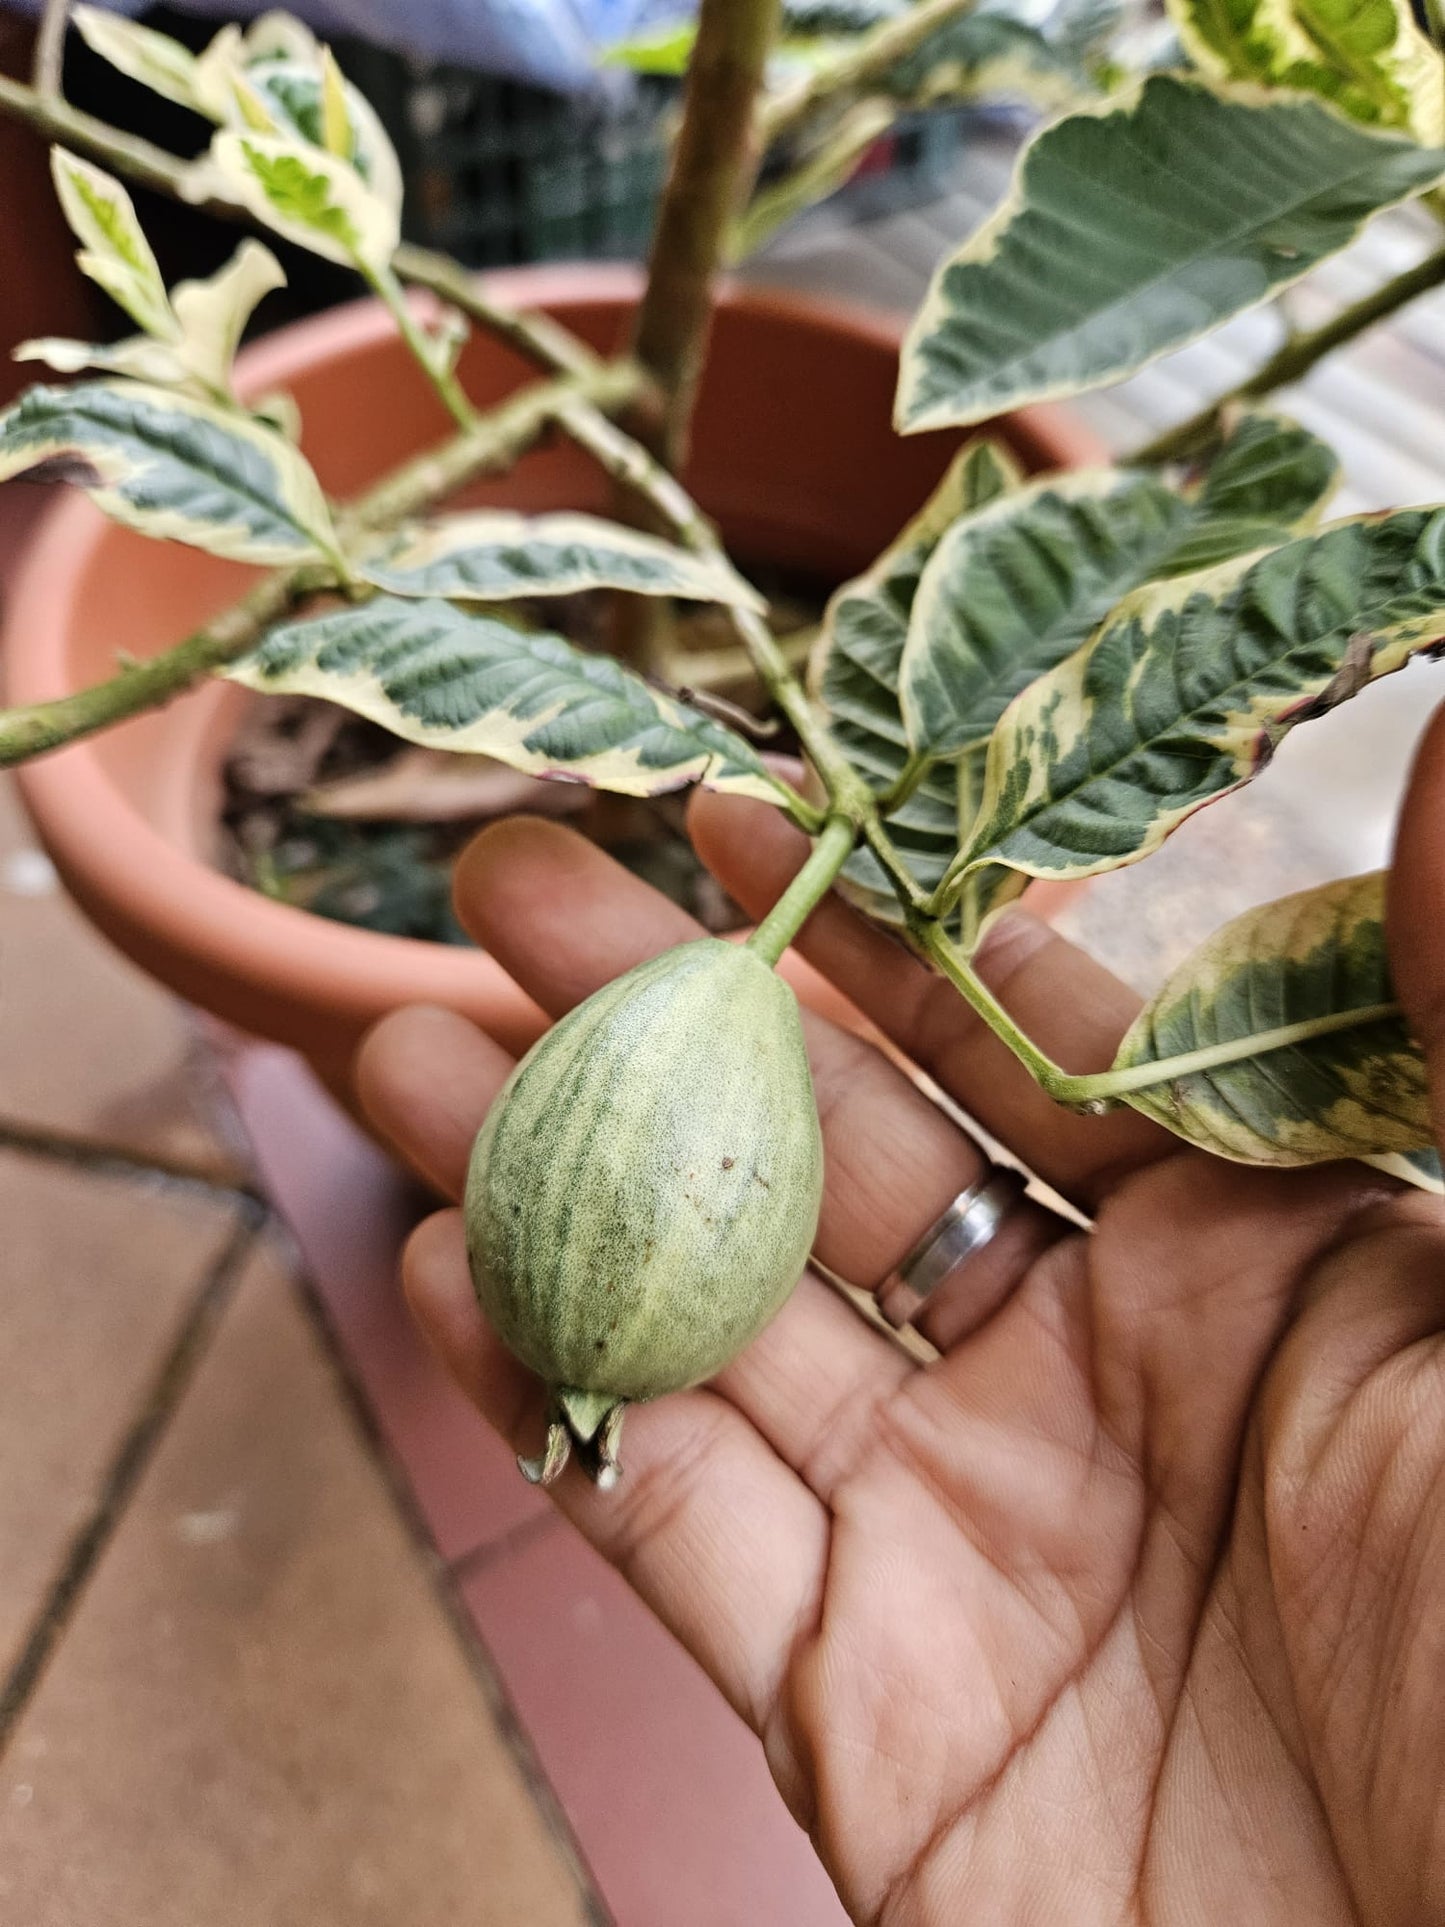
(589, 1423)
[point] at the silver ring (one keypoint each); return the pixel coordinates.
(972, 1221)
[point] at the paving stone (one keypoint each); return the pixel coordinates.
(96, 1275)
(261, 1715)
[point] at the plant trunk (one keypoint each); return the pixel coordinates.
(713, 164)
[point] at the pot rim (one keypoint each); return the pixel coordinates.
(104, 846)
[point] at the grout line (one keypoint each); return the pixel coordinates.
(445, 1586)
(115, 1160)
(515, 1539)
(128, 1465)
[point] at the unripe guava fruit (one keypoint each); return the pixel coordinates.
(645, 1191)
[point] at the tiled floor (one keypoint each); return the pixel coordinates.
(284, 1639)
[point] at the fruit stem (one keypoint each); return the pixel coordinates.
(802, 896)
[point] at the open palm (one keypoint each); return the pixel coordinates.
(1131, 1607)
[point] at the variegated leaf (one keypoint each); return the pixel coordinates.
(212, 314)
(1015, 589)
(991, 51)
(1269, 480)
(293, 94)
(854, 674)
(493, 555)
(1136, 227)
(137, 356)
(433, 674)
(1420, 1168)
(1367, 56)
(309, 196)
(1186, 690)
(152, 58)
(1354, 1092)
(172, 467)
(208, 317)
(114, 251)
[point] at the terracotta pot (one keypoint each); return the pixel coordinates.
(793, 455)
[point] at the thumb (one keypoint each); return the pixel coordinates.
(1415, 908)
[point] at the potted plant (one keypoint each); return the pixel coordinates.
(1035, 679)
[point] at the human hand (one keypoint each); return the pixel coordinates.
(1131, 1606)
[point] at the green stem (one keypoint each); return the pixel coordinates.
(713, 165)
(384, 284)
(494, 442)
(970, 796)
(1295, 359)
(630, 464)
(868, 60)
(807, 889)
(904, 784)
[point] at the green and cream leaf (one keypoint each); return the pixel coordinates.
(437, 675)
(1357, 1091)
(854, 675)
(208, 319)
(114, 251)
(138, 357)
(1014, 589)
(1184, 693)
(1230, 195)
(1367, 56)
(173, 468)
(493, 555)
(212, 314)
(153, 59)
(309, 196)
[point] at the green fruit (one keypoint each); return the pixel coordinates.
(644, 1194)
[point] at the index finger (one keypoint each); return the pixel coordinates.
(1071, 1006)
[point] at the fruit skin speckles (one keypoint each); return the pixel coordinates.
(622, 1235)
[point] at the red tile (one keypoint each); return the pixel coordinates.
(350, 1209)
(667, 1791)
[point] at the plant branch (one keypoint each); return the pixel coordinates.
(450, 392)
(628, 463)
(495, 441)
(541, 340)
(713, 164)
(866, 61)
(807, 889)
(1295, 359)
(50, 49)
